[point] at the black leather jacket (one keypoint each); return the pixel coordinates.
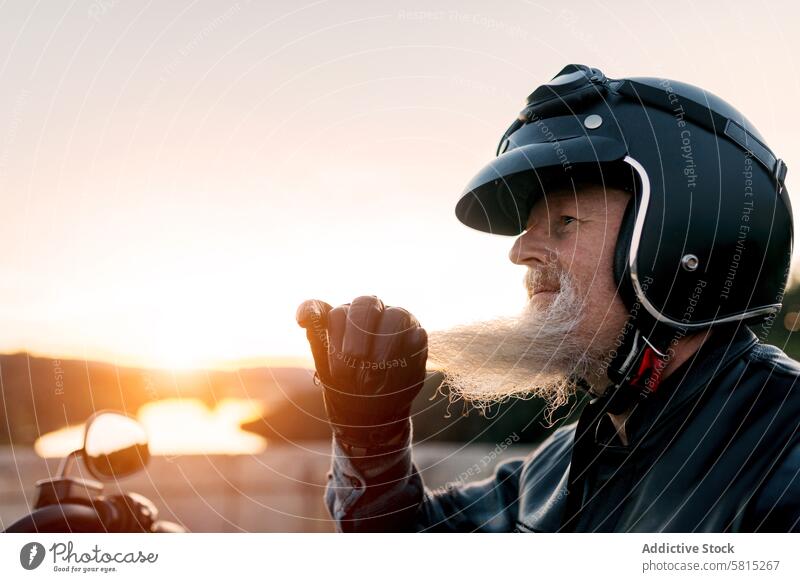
(715, 449)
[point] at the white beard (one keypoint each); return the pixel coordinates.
(538, 353)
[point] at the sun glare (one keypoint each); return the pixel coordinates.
(178, 426)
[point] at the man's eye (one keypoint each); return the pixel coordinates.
(565, 220)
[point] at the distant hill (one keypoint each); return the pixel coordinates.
(44, 394)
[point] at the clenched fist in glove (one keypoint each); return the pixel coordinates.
(370, 360)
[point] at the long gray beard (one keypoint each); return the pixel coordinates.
(538, 353)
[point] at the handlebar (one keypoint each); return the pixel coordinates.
(130, 513)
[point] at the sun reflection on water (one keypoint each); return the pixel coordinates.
(179, 426)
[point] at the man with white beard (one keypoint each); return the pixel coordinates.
(650, 238)
(573, 315)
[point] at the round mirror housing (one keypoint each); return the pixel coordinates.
(114, 445)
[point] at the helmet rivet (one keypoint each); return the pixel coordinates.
(593, 121)
(690, 262)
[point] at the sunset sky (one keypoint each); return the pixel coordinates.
(176, 177)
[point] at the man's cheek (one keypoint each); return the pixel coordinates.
(581, 278)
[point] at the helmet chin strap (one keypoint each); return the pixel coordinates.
(636, 369)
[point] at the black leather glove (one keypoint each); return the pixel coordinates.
(370, 360)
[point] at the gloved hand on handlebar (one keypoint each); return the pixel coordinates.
(370, 360)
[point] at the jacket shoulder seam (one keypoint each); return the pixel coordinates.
(773, 358)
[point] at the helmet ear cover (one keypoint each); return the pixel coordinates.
(622, 252)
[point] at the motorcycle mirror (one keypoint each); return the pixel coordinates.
(114, 445)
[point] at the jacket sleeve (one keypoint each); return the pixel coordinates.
(385, 492)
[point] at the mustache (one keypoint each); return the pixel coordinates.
(545, 278)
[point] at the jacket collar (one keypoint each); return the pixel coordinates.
(683, 385)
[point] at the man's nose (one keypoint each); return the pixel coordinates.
(530, 248)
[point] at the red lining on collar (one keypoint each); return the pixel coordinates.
(651, 368)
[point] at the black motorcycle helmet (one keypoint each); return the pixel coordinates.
(707, 238)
